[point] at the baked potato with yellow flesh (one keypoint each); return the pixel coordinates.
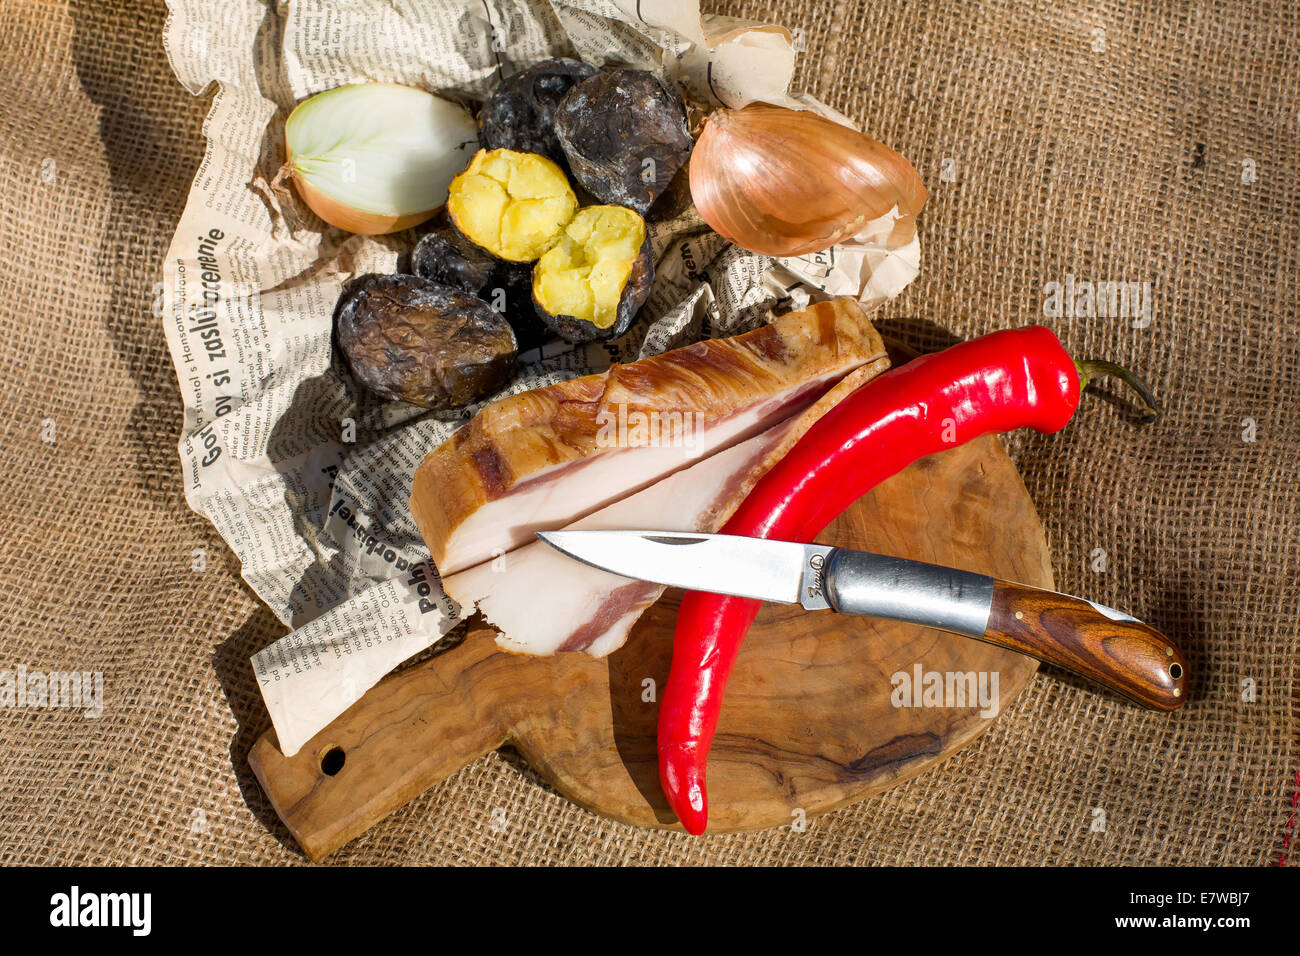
(590, 284)
(514, 205)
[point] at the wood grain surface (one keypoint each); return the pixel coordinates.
(1128, 656)
(808, 722)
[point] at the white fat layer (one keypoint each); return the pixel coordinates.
(538, 598)
(503, 525)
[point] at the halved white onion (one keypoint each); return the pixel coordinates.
(374, 158)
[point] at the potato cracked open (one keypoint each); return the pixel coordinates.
(591, 283)
(515, 205)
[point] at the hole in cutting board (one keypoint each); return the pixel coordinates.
(331, 762)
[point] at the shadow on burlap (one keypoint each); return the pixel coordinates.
(1105, 141)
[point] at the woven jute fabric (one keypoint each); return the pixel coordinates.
(1138, 142)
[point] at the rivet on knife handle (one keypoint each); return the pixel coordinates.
(1095, 642)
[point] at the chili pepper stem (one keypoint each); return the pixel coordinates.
(1090, 369)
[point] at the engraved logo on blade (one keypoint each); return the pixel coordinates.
(818, 563)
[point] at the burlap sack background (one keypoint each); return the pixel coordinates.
(1109, 140)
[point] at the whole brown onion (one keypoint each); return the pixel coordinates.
(785, 182)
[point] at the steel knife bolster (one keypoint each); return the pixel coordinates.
(877, 585)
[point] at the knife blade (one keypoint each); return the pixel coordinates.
(1092, 640)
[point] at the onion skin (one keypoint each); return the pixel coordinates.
(784, 182)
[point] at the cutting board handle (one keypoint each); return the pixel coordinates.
(406, 734)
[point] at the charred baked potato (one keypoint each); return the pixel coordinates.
(520, 115)
(624, 136)
(423, 342)
(590, 284)
(444, 255)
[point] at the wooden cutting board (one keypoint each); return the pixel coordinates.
(808, 724)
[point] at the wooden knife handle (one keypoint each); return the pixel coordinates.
(1131, 657)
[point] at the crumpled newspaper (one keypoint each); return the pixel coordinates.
(306, 477)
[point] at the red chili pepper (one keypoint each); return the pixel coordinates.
(1019, 378)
